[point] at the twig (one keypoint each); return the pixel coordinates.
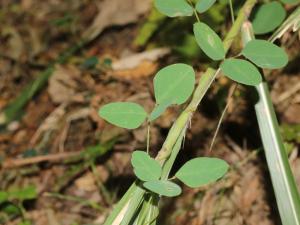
(287, 94)
(13, 163)
(229, 101)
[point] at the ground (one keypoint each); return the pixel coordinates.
(75, 166)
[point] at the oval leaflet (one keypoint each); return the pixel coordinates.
(203, 5)
(174, 84)
(163, 187)
(209, 41)
(268, 17)
(265, 54)
(241, 71)
(173, 8)
(123, 114)
(145, 168)
(202, 171)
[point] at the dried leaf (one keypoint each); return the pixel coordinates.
(116, 12)
(62, 86)
(134, 60)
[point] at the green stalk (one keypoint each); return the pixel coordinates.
(170, 162)
(204, 83)
(121, 204)
(134, 204)
(284, 185)
(180, 124)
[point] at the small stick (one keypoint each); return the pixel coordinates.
(229, 101)
(13, 163)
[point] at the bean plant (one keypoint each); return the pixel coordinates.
(175, 85)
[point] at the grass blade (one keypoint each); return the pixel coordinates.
(282, 178)
(284, 185)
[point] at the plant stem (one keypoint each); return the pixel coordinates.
(148, 136)
(204, 83)
(284, 185)
(170, 162)
(231, 11)
(180, 124)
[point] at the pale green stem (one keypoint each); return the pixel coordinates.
(170, 162)
(148, 137)
(231, 11)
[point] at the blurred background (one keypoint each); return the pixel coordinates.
(60, 60)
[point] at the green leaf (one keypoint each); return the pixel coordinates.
(265, 54)
(25, 193)
(10, 209)
(174, 8)
(209, 41)
(145, 168)
(149, 211)
(3, 196)
(203, 5)
(268, 17)
(158, 110)
(26, 222)
(290, 1)
(90, 63)
(124, 114)
(241, 71)
(201, 171)
(174, 84)
(163, 187)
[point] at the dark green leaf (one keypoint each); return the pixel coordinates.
(174, 8)
(163, 187)
(268, 17)
(124, 114)
(241, 71)
(209, 41)
(145, 168)
(174, 84)
(265, 54)
(202, 171)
